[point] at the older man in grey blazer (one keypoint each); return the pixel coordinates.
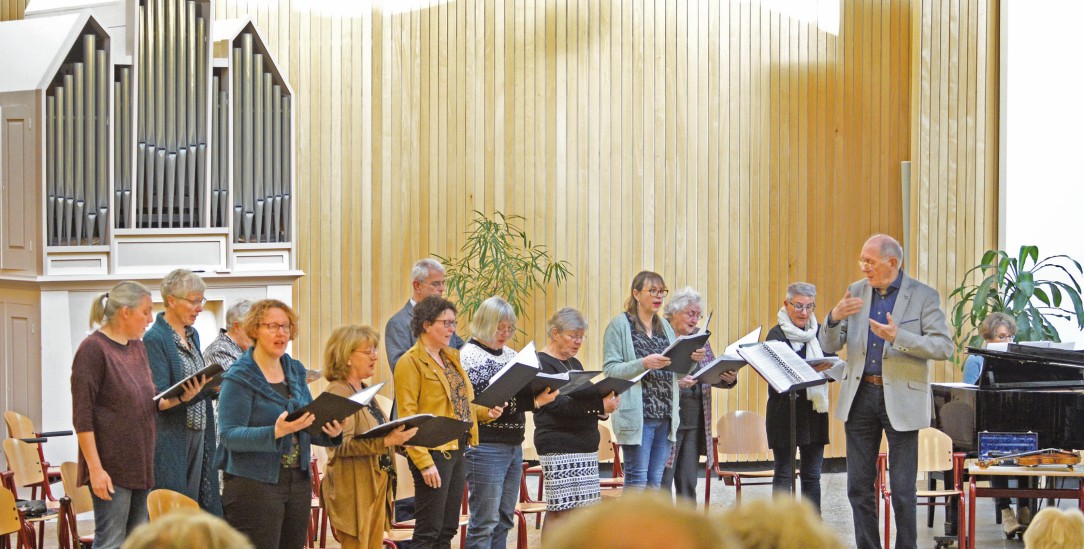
(893, 326)
(426, 279)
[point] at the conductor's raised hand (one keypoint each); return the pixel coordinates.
(332, 428)
(545, 397)
(886, 331)
(283, 427)
(846, 307)
(400, 435)
(655, 361)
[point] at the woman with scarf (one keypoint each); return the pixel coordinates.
(798, 327)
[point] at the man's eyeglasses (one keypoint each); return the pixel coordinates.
(865, 264)
(437, 283)
(275, 327)
(800, 307)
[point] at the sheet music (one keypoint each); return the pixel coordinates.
(780, 366)
(751, 337)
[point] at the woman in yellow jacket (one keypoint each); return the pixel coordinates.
(430, 380)
(360, 473)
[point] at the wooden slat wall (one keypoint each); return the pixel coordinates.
(724, 145)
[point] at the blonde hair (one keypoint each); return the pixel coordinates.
(341, 344)
(251, 321)
(781, 523)
(184, 528)
(493, 311)
(126, 293)
(1054, 528)
(639, 520)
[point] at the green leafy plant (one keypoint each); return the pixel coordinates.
(1013, 285)
(498, 259)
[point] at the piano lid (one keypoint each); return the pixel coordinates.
(1026, 367)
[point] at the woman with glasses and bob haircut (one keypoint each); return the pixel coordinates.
(360, 473)
(798, 328)
(646, 422)
(495, 465)
(267, 490)
(186, 432)
(430, 380)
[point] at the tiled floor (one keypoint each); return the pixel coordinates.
(836, 512)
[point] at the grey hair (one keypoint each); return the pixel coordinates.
(994, 321)
(127, 293)
(237, 311)
(423, 268)
(565, 320)
(889, 247)
(493, 311)
(680, 301)
(180, 283)
(803, 289)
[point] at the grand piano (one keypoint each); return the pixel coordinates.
(1021, 389)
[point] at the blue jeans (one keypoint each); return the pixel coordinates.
(867, 419)
(812, 460)
(115, 519)
(493, 474)
(644, 462)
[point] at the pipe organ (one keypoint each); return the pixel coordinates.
(136, 137)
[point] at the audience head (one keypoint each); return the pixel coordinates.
(185, 528)
(234, 314)
(998, 328)
(778, 523)
(566, 330)
(351, 349)
(800, 303)
(434, 320)
(493, 323)
(271, 324)
(126, 308)
(182, 293)
(648, 291)
(684, 310)
(427, 279)
(639, 520)
(1054, 528)
(880, 261)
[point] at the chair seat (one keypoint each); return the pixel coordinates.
(936, 493)
(399, 534)
(614, 493)
(531, 507)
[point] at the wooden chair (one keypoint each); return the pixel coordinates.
(24, 460)
(318, 519)
(12, 522)
(162, 501)
(384, 403)
(934, 456)
(76, 501)
(20, 426)
(740, 433)
(609, 451)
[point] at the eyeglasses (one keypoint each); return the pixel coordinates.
(447, 323)
(578, 338)
(697, 315)
(865, 264)
(437, 283)
(657, 293)
(799, 307)
(275, 327)
(374, 352)
(508, 330)
(197, 302)
(1004, 337)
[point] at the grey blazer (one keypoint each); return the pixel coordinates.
(398, 339)
(923, 336)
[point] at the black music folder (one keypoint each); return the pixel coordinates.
(680, 352)
(711, 371)
(780, 366)
(433, 430)
(213, 373)
(328, 407)
(563, 381)
(608, 385)
(509, 380)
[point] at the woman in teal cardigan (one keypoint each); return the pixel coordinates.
(646, 422)
(185, 445)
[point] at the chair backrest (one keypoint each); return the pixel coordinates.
(9, 515)
(606, 452)
(934, 450)
(80, 495)
(742, 432)
(24, 462)
(384, 403)
(162, 501)
(404, 481)
(19, 426)
(530, 453)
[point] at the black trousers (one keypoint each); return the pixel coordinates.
(436, 510)
(685, 469)
(271, 515)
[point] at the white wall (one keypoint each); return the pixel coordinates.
(1042, 130)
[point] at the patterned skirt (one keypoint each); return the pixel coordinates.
(570, 480)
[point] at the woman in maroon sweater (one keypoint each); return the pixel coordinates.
(114, 412)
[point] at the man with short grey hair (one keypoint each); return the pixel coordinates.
(893, 327)
(232, 341)
(427, 279)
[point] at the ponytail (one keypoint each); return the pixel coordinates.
(127, 293)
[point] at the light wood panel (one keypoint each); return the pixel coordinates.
(726, 146)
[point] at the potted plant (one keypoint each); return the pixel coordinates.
(1015, 286)
(498, 259)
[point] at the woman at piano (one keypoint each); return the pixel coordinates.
(1000, 328)
(798, 327)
